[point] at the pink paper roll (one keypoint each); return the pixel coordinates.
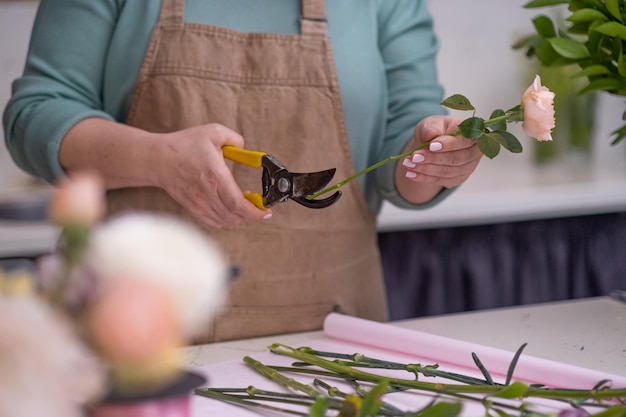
(444, 350)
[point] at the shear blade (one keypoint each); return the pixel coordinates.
(318, 203)
(310, 183)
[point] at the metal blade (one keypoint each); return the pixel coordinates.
(307, 184)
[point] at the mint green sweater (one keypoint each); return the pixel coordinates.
(84, 58)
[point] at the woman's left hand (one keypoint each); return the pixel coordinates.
(447, 161)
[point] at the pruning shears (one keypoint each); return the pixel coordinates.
(280, 185)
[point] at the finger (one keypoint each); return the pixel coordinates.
(225, 136)
(451, 158)
(447, 143)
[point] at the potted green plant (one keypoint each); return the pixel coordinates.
(594, 40)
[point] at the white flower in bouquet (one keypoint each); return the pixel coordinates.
(165, 251)
(44, 369)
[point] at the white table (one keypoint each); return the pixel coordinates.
(588, 332)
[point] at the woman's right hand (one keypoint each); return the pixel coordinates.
(190, 167)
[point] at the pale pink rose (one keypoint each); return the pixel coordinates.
(136, 327)
(538, 105)
(78, 200)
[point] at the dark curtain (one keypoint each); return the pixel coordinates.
(448, 270)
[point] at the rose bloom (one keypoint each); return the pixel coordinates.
(78, 200)
(136, 326)
(538, 105)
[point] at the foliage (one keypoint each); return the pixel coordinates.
(594, 40)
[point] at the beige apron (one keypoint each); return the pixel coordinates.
(281, 93)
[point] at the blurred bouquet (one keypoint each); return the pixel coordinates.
(108, 311)
(594, 41)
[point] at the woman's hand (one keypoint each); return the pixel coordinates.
(187, 164)
(192, 170)
(447, 162)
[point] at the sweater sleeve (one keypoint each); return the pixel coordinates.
(408, 48)
(61, 83)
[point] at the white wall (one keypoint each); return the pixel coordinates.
(16, 19)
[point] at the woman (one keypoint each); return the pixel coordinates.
(148, 92)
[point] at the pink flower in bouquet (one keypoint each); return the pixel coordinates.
(78, 200)
(136, 325)
(538, 105)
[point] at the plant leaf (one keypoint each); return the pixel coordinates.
(477, 361)
(319, 407)
(513, 364)
(515, 390)
(458, 102)
(619, 135)
(591, 70)
(472, 128)
(500, 124)
(510, 141)
(612, 29)
(490, 147)
(544, 26)
(604, 84)
(372, 400)
(542, 3)
(569, 48)
(587, 15)
(613, 7)
(442, 409)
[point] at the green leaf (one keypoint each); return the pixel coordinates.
(319, 407)
(544, 26)
(613, 29)
(488, 146)
(472, 128)
(621, 64)
(509, 141)
(613, 7)
(513, 364)
(543, 3)
(620, 134)
(569, 48)
(527, 42)
(500, 124)
(515, 114)
(587, 15)
(592, 70)
(614, 411)
(458, 102)
(372, 400)
(441, 409)
(602, 84)
(548, 56)
(515, 390)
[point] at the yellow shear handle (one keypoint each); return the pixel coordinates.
(243, 156)
(250, 158)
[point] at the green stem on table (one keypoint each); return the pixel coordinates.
(346, 371)
(279, 378)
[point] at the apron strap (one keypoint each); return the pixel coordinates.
(313, 21)
(172, 12)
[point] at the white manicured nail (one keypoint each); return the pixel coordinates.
(407, 163)
(411, 174)
(267, 216)
(418, 157)
(435, 146)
